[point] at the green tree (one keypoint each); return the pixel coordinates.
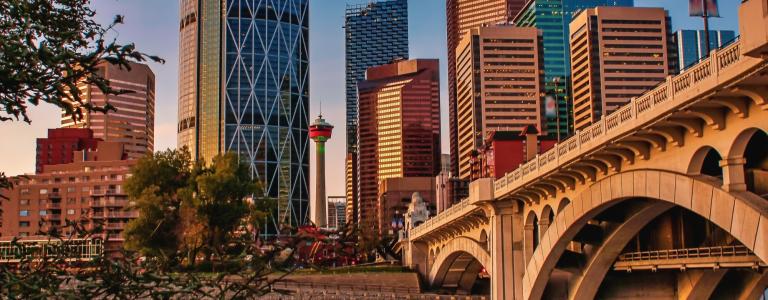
(159, 185)
(47, 48)
(221, 196)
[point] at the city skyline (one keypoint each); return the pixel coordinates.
(326, 56)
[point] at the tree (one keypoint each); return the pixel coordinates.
(186, 209)
(221, 198)
(47, 48)
(159, 184)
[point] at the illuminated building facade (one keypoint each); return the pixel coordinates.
(461, 16)
(617, 53)
(133, 120)
(399, 129)
(498, 86)
(244, 87)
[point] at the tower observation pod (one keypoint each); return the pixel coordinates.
(320, 132)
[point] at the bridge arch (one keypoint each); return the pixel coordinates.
(748, 162)
(706, 161)
(742, 215)
(458, 264)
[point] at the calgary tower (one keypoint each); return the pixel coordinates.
(320, 132)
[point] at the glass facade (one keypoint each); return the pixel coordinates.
(253, 93)
(691, 44)
(376, 33)
(553, 18)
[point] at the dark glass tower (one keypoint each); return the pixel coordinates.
(245, 88)
(376, 34)
(553, 17)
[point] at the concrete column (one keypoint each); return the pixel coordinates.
(507, 253)
(319, 207)
(416, 257)
(734, 179)
(543, 226)
(529, 230)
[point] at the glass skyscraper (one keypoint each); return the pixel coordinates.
(376, 34)
(552, 17)
(244, 87)
(691, 45)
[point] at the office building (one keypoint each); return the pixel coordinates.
(399, 129)
(337, 218)
(375, 34)
(498, 86)
(244, 88)
(89, 189)
(552, 18)
(616, 53)
(350, 176)
(461, 16)
(60, 145)
(691, 45)
(133, 120)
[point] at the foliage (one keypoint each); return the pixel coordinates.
(47, 48)
(220, 198)
(123, 275)
(186, 211)
(158, 185)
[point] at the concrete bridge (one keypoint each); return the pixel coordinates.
(665, 198)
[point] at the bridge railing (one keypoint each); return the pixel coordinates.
(447, 214)
(611, 125)
(601, 132)
(719, 251)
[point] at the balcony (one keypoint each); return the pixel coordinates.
(52, 217)
(109, 203)
(53, 205)
(114, 226)
(123, 214)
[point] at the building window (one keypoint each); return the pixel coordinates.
(71, 189)
(43, 191)
(84, 189)
(43, 212)
(71, 201)
(24, 224)
(70, 211)
(24, 202)
(24, 191)
(24, 213)
(23, 234)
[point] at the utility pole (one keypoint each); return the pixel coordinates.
(705, 16)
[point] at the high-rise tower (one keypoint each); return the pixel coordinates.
(461, 16)
(399, 130)
(133, 121)
(320, 132)
(552, 18)
(244, 87)
(616, 53)
(498, 86)
(376, 34)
